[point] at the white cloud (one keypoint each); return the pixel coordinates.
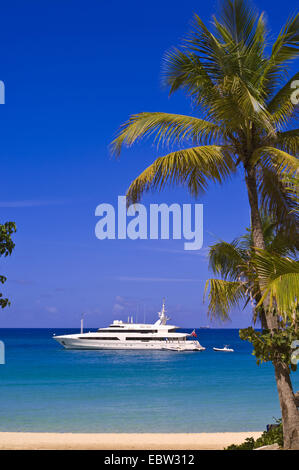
(51, 309)
(22, 282)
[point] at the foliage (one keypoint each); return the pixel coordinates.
(6, 247)
(248, 444)
(6, 243)
(279, 281)
(273, 436)
(292, 186)
(249, 274)
(272, 345)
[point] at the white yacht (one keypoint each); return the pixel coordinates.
(129, 335)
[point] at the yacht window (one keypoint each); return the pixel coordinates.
(109, 330)
(96, 338)
(130, 338)
(144, 332)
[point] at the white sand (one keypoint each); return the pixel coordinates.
(132, 441)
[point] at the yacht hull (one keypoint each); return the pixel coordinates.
(73, 343)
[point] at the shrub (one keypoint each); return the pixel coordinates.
(273, 436)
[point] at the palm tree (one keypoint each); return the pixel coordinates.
(250, 276)
(243, 106)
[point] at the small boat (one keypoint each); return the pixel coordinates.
(224, 349)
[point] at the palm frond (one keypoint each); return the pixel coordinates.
(283, 244)
(249, 41)
(222, 77)
(167, 128)
(279, 280)
(277, 240)
(249, 102)
(277, 200)
(223, 296)
(289, 141)
(283, 161)
(285, 48)
(209, 49)
(183, 69)
(281, 106)
(227, 259)
(193, 168)
(239, 20)
(291, 185)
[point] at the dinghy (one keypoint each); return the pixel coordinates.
(224, 349)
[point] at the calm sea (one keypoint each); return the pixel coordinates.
(46, 388)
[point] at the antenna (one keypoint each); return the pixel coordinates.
(82, 319)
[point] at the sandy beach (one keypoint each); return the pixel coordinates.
(153, 441)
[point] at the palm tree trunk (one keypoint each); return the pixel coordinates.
(257, 232)
(256, 223)
(289, 411)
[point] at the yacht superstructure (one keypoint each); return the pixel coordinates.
(129, 335)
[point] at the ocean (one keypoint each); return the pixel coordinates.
(44, 387)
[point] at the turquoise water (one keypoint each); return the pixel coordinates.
(46, 388)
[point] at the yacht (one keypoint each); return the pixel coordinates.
(129, 335)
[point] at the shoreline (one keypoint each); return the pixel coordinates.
(122, 441)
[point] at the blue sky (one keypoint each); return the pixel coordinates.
(74, 71)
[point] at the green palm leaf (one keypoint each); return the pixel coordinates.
(285, 48)
(192, 168)
(283, 161)
(167, 128)
(289, 141)
(223, 296)
(183, 69)
(238, 19)
(277, 200)
(226, 259)
(244, 269)
(280, 105)
(279, 280)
